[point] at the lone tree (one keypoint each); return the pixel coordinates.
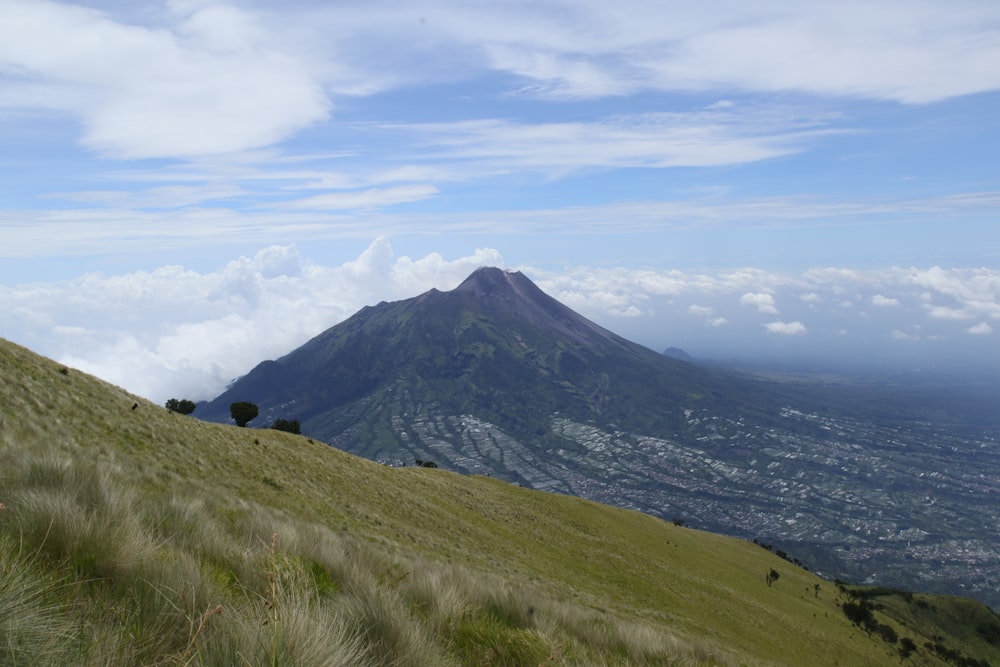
(183, 406)
(771, 577)
(243, 412)
(287, 425)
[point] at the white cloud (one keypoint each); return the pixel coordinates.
(210, 80)
(887, 50)
(981, 329)
(204, 78)
(785, 328)
(177, 332)
(173, 332)
(883, 301)
(763, 302)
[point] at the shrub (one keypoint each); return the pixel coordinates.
(287, 425)
(182, 406)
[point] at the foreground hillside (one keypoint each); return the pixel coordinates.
(131, 535)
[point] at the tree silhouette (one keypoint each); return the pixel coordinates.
(243, 412)
(771, 577)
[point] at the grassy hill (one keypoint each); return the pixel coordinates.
(132, 535)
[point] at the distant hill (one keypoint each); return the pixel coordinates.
(498, 378)
(131, 535)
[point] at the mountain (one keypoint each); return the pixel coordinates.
(131, 535)
(496, 349)
(497, 378)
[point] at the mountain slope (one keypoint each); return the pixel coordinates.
(497, 378)
(141, 536)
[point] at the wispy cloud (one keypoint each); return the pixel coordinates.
(372, 198)
(265, 216)
(651, 140)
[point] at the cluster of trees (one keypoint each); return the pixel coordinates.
(860, 614)
(860, 611)
(781, 554)
(242, 412)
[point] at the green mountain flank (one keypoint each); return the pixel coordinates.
(498, 378)
(131, 535)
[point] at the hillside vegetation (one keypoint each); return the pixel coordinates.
(130, 535)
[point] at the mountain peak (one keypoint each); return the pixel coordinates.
(511, 293)
(491, 280)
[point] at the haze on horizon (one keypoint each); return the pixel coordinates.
(188, 187)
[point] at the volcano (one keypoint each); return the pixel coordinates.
(496, 350)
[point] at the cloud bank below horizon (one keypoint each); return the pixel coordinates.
(173, 332)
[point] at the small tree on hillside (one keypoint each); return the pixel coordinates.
(287, 425)
(183, 406)
(771, 577)
(243, 412)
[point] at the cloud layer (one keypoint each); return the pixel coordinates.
(199, 78)
(176, 332)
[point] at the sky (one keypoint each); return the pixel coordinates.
(189, 187)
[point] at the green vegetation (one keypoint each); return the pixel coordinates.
(183, 406)
(242, 412)
(287, 425)
(135, 537)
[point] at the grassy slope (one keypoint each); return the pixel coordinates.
(687, 583)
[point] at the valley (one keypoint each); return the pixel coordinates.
(911, 505)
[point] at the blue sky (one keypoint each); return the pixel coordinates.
(189, 187)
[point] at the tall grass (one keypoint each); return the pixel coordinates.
(97, 572)
(32, 629)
